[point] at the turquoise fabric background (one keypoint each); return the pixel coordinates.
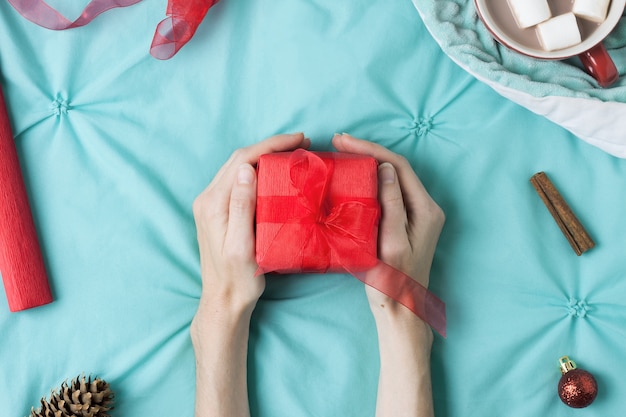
(116, 145)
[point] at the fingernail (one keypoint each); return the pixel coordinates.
(387, 173)
(245, 175)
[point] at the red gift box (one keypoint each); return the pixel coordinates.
(319, 212)
(316, 212)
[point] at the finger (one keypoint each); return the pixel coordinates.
(415, 195)
(347, 143)
(219, 189)
(239, 240)
(278, 143)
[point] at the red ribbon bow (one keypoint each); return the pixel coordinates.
(339, 232)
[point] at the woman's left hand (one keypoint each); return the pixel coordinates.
(224, 216)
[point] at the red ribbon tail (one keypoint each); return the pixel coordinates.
(166, 43)
(172, 33)
(408, 292)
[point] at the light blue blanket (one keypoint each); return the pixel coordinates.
(559, 90)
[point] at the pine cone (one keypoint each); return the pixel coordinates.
(81, 398)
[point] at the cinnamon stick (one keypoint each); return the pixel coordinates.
(571, 227)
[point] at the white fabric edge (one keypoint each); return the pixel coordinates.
(580, 116)
(601, 124)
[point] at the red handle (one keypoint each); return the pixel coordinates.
(21, 263)
(599, 65)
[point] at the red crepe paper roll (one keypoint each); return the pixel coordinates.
(21, 263)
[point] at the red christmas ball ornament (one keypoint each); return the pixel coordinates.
(577, 387)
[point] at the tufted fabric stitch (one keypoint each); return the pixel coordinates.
(59, 107)
(577, 308)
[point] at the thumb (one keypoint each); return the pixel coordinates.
(240, 232)
(393, 223)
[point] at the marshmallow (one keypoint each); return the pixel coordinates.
(528, 13)
(593, 10)
(559, 32)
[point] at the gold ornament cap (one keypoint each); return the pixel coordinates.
(566, 364)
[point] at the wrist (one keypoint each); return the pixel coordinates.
(229, 300)
(393, 321)
(217, 316)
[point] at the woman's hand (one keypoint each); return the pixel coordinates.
(224, 216)
(409, 229)
(411, 221)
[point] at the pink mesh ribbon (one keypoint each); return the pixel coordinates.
(184, 17)
(39, 12)
(312, 224)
